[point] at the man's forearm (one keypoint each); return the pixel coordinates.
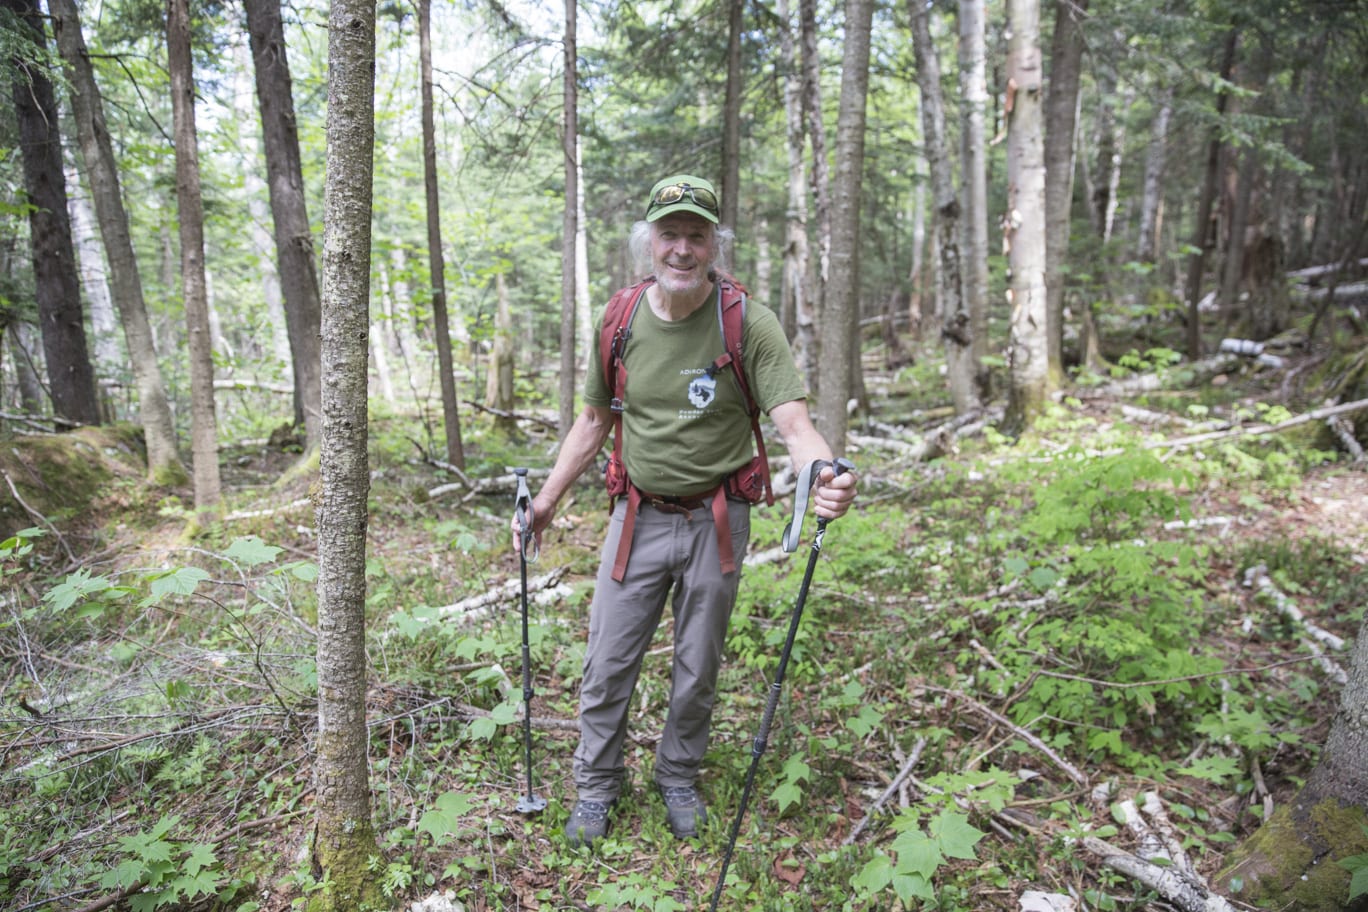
(577, 453)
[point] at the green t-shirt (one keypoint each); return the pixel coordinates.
(683, 431)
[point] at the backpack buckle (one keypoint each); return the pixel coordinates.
(616, 406)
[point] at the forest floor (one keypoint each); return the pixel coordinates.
(156, 730)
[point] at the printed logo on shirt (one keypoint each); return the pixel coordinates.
(702, 391)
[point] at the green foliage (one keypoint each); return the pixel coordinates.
(1357, 866)
(166, 872)
(921, 848)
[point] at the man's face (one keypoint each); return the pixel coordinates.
(683, 247)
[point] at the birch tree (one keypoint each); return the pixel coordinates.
(97, 154)
(344, 832)
(957, 327)
(1027, 355)
(974, 193)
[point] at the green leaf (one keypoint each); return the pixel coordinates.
(251, 550)
(178, 582)
(957, 837)
(908, 886)
(76, 587)
(787, 795)
(918, 854)
(199, 857)
(1212, 769)
(875, 875)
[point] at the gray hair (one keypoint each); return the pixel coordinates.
(639, 246)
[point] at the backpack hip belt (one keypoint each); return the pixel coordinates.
(686, 505)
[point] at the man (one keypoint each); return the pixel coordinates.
(684, 432)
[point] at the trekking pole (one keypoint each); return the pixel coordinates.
(792, 538)
(530, 803)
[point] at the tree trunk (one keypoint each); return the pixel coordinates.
(1152, 194)
(194, 290)
(344, 831)
(1061, 128)
(90, 268)
(1289, 863)
(499, 379)
(22, 350)
(97, 151)
(840, 315)
(570, 218)
(808, 343)
(1025, 232)
(957, 322)
(731, 116)
(974, 167)
(792, 285)
(294, 238)
(1203, 237)
(584, 310)
(1107, 143)
(57, 288)
(451, 418)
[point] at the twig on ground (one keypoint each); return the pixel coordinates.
(888, 792)
(1068, 768)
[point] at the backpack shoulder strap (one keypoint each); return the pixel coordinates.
(616, 330)
(731, 315)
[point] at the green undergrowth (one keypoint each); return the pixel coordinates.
(1064, 583)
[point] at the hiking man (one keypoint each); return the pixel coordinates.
(685, 431)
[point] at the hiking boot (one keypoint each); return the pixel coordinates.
(684, 810)
(588, 821)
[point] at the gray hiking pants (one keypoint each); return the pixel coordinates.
(671, 552)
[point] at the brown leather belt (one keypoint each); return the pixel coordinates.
(685, 505)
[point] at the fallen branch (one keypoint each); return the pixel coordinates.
(1256, 577)
(514, 416)
(888, 792)
(478, 605)
(1343, 429)
(1252, 430)
(1068, 768)
(1166, 881)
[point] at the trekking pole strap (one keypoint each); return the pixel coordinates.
(522, 510)
(793, 532)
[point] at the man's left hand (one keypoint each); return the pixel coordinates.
(833, 494)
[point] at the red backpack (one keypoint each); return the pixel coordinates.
(752, 481)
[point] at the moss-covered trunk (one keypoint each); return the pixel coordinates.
(1290, 863)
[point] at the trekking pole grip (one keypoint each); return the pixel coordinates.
(523, 512)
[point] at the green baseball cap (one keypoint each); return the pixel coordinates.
(683, 193)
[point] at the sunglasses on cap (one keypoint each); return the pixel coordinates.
(672, 194)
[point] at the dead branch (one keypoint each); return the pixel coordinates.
(479, 605)
(1257, 577)
(1252, 430)
(1068, 768)
(514, 416)
(888, 792)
